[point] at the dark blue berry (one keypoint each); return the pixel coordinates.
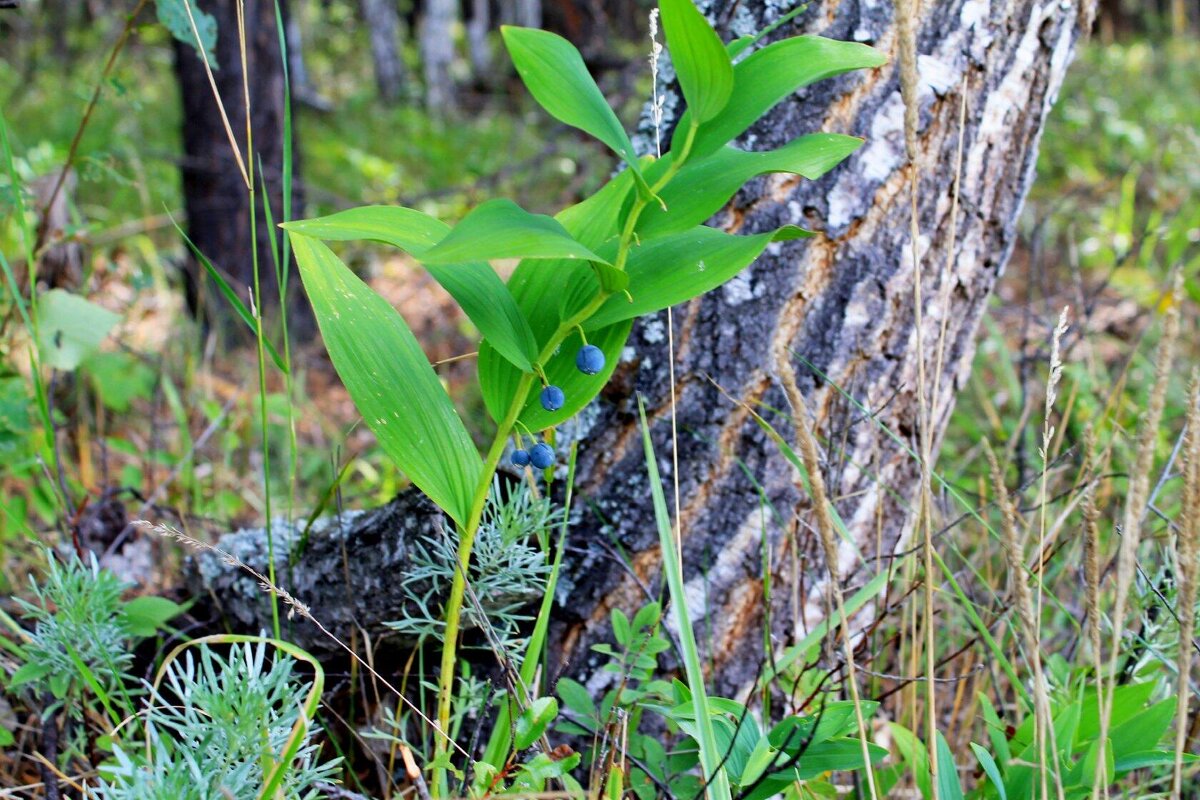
(520, 458)
(541, 455)
(589, 359)
(553, 398)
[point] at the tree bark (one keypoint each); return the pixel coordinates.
(843, 304)
(437, 53)
(383, 29)
(214, 189)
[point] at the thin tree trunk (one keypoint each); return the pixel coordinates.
(383, 29)
(214, 190)
(437, 53)
(477, 39)
(842, 303)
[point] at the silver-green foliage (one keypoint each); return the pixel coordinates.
(213, 726)
(507, 572)
(81, 631)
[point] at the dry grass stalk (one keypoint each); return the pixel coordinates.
(1187, 545)
(1091, 560)
(1135, 505)
(1056, 371)
(810, 456)
(1027, 617)
(296, 608)
(906, 39)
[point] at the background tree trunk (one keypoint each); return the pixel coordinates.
(383, 27)
(437, 53)
(214, 192)
(841, 302)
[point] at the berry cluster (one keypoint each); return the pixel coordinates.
(589, 360)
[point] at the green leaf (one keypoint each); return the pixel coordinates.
(502, 229)
(949, 786)
(406, 228)
(390, 380)
(1143, 730)
(554, 72)
(836, 754)
(146, 615)
(701, 62)
(576, 698)
(703, 186)
(578, 388)
(28, 672)
(173, 14)
(548, 292)
(767, 76)
(230, 295)
(475, 286)
(119, 378)
(534, 720)
(675, 268)
(915, 755)
(991, 769)
(70, 328)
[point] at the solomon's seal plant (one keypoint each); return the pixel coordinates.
(636, 246)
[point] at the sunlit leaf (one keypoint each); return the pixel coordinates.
(476, 287)
(767, 76)
(70, 328)
(502, 229)
(700, 59)
(675, 268)
(390, 380)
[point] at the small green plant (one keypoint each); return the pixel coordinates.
(208, 726)
(217, 728)
(636, 246)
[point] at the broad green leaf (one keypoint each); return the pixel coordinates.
(701, 62)
(576, 697)
(406, 228)
(949, 786)
(148, 614)
(548, 292)
(991, 769)
(915, 755)
(119, 378)
(703, 186)
(174, 15)
(579, 389)
(475, 286)
(554, 72)
(534, 720)
(673, 269)
(502, 229)
(390, 380)
(767, 76)
(1142, 731)
(836, 754)
(70, 328)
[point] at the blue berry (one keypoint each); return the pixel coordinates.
(589, 359)
(520, 458)
(553, 398)
(541, 455)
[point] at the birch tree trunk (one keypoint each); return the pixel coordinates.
(437, 53)
(842, 305)
(383, 29)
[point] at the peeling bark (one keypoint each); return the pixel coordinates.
(842, 303)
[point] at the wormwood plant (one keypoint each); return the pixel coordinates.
(235, 726)
(553, 333)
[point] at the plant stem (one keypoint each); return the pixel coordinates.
(467, 533)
